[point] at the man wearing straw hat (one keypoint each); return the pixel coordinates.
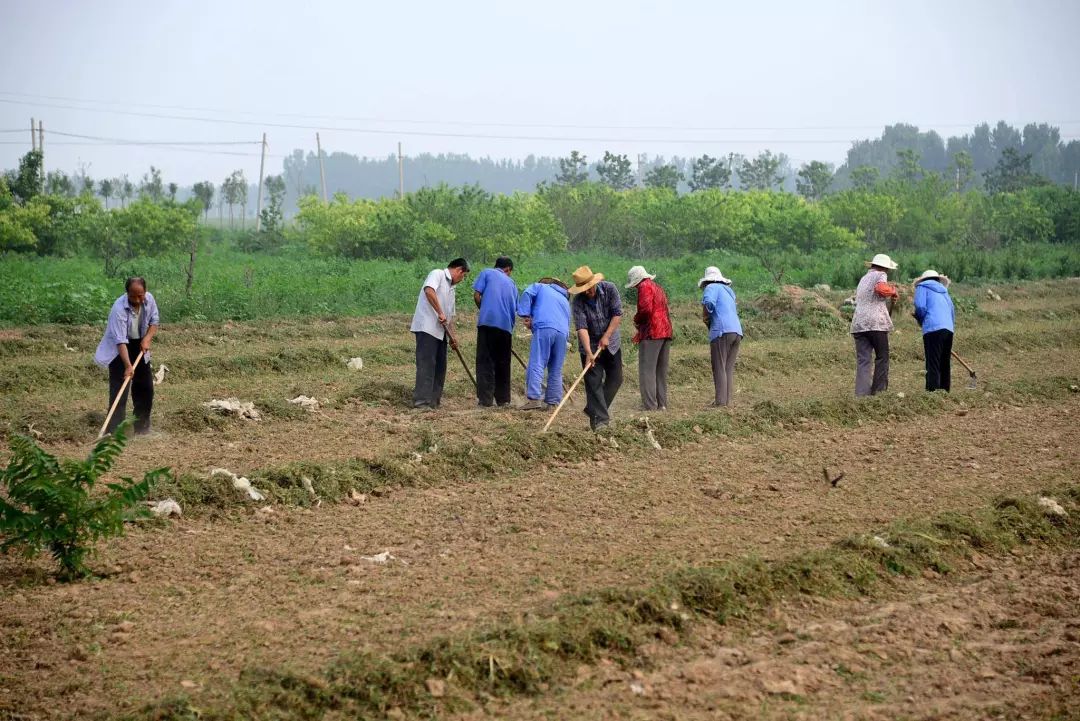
(597, 310)
(871, 324)
(432, 324)
(936, 315)
(653, 337)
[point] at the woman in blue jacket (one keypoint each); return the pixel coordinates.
(935, 312)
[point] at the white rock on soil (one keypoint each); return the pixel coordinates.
(380, 558)
(165, 508)
(236, 407)
(239, 483)
(1051, 507)
(159, 377)
(356, 364)
(308, 404)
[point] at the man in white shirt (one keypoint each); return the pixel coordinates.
(433, 326)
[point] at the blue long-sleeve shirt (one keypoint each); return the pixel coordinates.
(548, 305)
(719, 301)
(933, 307)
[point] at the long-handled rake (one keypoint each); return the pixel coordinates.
(572, 387)
(972, 380)
(457, 350)
(120, 395)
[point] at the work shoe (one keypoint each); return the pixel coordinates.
(533, 404)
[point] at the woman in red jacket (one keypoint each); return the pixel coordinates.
(653, 338)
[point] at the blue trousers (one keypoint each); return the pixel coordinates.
(547, 352)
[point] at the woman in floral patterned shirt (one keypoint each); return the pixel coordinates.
(871, 324)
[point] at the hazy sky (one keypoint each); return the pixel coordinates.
(666, 78)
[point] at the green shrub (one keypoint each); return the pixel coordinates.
(52, 505)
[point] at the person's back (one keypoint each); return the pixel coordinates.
(551, 308)
(498, 299)
(934, 307)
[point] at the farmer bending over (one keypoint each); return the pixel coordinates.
(432, 324)
(133, 323)
(545, 310)
(597, 314)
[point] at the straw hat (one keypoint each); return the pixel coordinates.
(637, 274)
(584, 279)
(932, 275)
(713, 275)
(550, 280)
(882, 261)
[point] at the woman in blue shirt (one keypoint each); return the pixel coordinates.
(936, 315)
(725, 331)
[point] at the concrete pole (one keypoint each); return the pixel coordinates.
(258, 204)
(322, 168)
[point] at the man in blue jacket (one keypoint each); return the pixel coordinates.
(935, 313)
(544, 308)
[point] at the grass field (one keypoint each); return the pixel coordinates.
(568, 575)
(232, 285)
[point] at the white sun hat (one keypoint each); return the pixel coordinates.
(637, 274)
(933, 275)
(882, 261)
(713, 275)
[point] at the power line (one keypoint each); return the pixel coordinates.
(490, 124)
(122, 141)
(481, 136)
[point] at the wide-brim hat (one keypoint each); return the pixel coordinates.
(552, 280)
(637, 274)
(882, 261)
(584, 279)
(713, 275)
(932, 275)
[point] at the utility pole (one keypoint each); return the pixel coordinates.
(1076, 175)
(322, 169)
(957, 178)
(33, 135)
(41, 148)
(258, 204)
(400, 174)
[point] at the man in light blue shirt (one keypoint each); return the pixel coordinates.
(133, 323)
(725, 331)
(495, 295)
(544, 308)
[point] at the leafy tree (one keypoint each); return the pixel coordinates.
(907, 168)
(573, 170)
(962, 171)
(1011, 173)
(53, 505)
(761, 173)
(106, 190)
(28, 179)
(57, 182)
(616, 171)
(126, 190)
(173, 187)
(151, 186)
(663, 176)
(271, 220)
(204, 192)
(708, 173)
(87, 185)
(864, 177)
(814, 180)
(1015, 218)
(144, 228)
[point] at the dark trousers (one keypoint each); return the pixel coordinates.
(653, 359)
(722, 353)
(871, 362)
(430, 370)
(141, 387)
(602, 382)
(937, 347)
(492, 365)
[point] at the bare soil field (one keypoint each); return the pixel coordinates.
(490, 526)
